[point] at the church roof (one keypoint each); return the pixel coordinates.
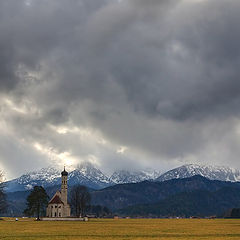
(56, 200)
(64, 172)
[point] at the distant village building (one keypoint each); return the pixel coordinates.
(58, 205)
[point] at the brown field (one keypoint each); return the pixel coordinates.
(122, 229)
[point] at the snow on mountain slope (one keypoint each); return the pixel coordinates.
(210, 172)
(124, 176)
(87, 174)
(44, 177)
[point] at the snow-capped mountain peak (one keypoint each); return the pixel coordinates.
(124, 176)
(44, 174)
(211, 172)
(87, 174)
(44, 177)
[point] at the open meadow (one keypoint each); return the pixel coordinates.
(122, 229)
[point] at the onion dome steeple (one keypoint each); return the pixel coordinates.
(64, 172)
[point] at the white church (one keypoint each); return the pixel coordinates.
(58, 206)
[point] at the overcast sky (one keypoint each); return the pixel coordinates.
(124, 84)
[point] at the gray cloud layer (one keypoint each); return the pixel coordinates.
(132, 83)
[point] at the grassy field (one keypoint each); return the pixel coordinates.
(122, 229)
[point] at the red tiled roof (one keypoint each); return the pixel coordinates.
(56, 200)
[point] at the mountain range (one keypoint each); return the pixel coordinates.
(85, 174)
(91, 176)
(194, 196)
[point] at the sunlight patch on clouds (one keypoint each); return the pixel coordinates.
(122, 149)
(67, 158)
(24, 107)
(38, 147)
(82, 132)
(64, 158)
(11, 105)
(66, 129)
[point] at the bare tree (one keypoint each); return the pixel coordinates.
(3, 201)
(80, 199)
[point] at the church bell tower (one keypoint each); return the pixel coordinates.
(64, 187)
(58, 206)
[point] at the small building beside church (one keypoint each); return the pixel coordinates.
(58, 206)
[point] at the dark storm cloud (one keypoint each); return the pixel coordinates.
(160, 77)
(186, 66)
